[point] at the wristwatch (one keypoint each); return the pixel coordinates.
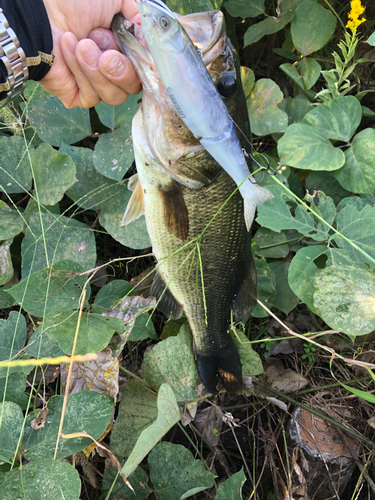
(14, 59)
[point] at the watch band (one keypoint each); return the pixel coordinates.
(14, 59)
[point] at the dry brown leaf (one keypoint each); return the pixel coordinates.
(281, 379)
(210, 422)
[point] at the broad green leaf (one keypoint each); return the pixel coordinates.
(55, 123)
(133, 235)
(358, 201)
(6, 300)
(359, 227)
(250, 360)
(14, 387)
(325, 181)
(56, 288)
(295, 108)
(10, 429)
(13, 335)
(6, 265)
(325, 208)
(272, 245)
(268, 26)
(95, 331)
(15, 171)
(41, 345)
(65, 239)
(138, 481)
(337, 119)
(184, 7)
(284, 299)
(371, 39)
(115, 116)
(302, 271)
(312, 27)
(114, 154)
(345, 298)
(86, 411)
(91, 188)
(54, 173)
(168, 416)
(303, 146)
(244, 8)
(358, 173)
(309, 69)
(109, 294)
(266, 287)
(339, 257)
(175, 474)
(44, 478)
(265, 116)
(33, 208)
(181, 375)
(33, 90)
(11, 223)
(247, 79)
(137, 412)
(231, 489)
(172, 328)
(143, 329)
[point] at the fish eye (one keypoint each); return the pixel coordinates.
(164, 22)
(227, 86)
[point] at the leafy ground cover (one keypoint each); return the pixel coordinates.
(88, 409)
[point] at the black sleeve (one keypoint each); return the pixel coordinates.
(29, 20)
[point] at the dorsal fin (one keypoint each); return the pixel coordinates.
(135, 207)
(245, 298)
(176, 216)
(167, 304)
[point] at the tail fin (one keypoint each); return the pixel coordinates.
(224, 367)
(250, 204)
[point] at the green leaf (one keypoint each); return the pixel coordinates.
(309, 69)
(268, 26)
(6, 265)
(265, 116)
(250, 360)
(91, 188)
(10, 430)
(359, 227)
(33, 90)
(95, 331)
(277, 243)
(13, 333)
(137, 412)
(11, 223)
(371, 39)
(345, 298)
(266, 287)
(55, 123)
(138, 481)
(284, 299)
(65, 239)
(231, 489)
(86, 411)
(304, 147)
(361, 394)
(52, 289)
(6, 300)
(115, 116)
(44, 478)
(109, 294)
(337, 119)
(312, 27)
(15, 171)
(175, 474)
(325, 181)
(114, 154)
(302, 271)
(168, 416)
(143, 329)
(184, 7)
(41, 345)
(12, 388)
(247, 79)
(133, 235)
(295, 108)
(245, 8)
(181, 375)
(54, 173)
(358, 173)
(358, 201)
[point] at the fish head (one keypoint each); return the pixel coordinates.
(160, 26)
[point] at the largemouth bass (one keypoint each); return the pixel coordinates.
(196, 98)
(194, 214)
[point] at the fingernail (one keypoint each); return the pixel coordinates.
(115, 66)
(101, 39)
(90, 55)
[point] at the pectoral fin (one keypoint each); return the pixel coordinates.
(167, 304)
(135, 206)
(176, 216)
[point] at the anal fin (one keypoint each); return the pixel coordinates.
(176, 216)
(167, 304)
(135, 206)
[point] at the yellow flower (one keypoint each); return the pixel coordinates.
(356, 10)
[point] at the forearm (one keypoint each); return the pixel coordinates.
(29, 20)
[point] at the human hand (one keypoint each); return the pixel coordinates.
(82, 75)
